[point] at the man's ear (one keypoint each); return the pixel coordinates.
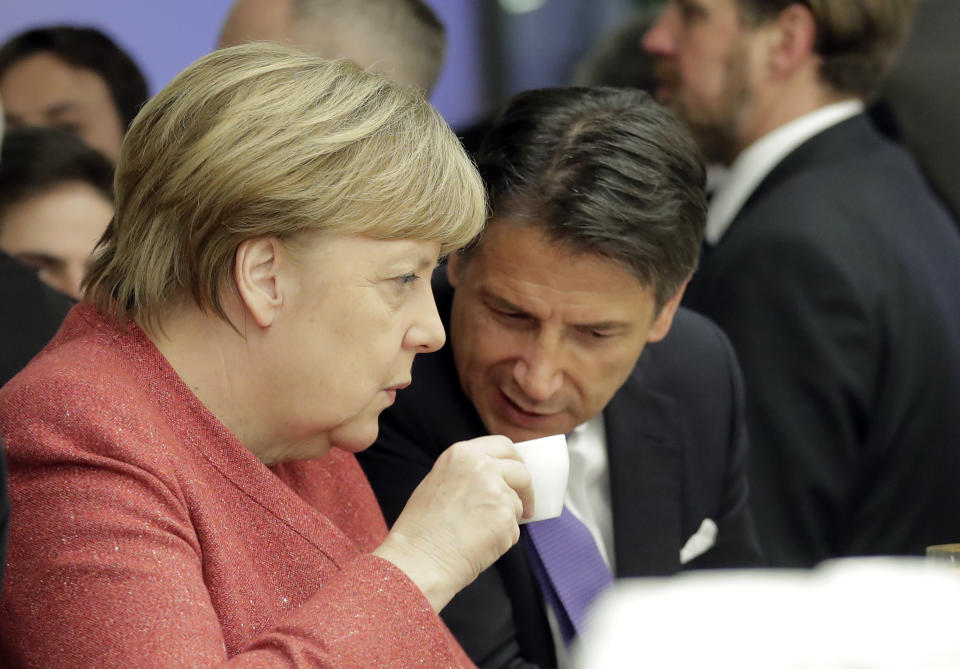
(256, 269)
(454, 266)
(793, 39)
(664, 320)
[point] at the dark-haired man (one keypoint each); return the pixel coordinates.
(564, 319)
(831, 267)
(402, 39)
(56, 199)
(75, 78)
(30, 313)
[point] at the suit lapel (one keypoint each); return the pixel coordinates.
(646, 479)
(849, 137)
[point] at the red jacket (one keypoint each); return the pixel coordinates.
(144, 534)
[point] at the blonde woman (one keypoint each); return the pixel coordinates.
(181, 456)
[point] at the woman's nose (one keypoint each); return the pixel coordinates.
(426, 334)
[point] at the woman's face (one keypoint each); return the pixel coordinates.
(56, 231)
(356, 312)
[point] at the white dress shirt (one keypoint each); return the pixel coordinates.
(588, 484)
(587, 498)
(757, 161)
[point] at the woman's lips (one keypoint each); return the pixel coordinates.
(392, 390)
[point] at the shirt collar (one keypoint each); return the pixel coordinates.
(757, 161)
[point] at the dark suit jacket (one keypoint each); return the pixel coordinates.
(30, 313)
(676, 445)
(839, 286)
(4, 514)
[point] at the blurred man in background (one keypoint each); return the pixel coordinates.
(74, 78)
(402, 39)
(923, 99)
(56, 199)
(831, 266)
(30, 314)
(30, 311)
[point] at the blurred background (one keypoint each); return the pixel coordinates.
(495, 47)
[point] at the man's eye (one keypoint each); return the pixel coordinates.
(512, 319)
(66, 126)
(408, 279)
(600, 334)
(690, 11)
(38, 264)
(596, 336)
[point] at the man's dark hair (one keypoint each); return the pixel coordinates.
(604, 171)
(89, 49)
(35, 160)
(858, 40)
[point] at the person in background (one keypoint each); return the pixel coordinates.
(918, 102)
(832, 268)
(181, 456)
(613, 60)
(56, 199)
(75, 78)
(31, 313)
(402, 39)
(564, 318)
(4, 498)
(4, 513)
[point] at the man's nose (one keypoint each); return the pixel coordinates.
(538, 372)
(660, 38)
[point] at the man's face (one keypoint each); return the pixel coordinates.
(43, 90)
(705, 72)
(273, 20)
(254, 20)
(543, 337)
(55, 232)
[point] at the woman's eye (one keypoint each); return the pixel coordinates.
(407, 279)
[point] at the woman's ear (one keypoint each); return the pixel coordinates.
(256, 273)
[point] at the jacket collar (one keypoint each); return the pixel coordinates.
(646, 479)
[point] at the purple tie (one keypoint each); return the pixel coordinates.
(568, 567)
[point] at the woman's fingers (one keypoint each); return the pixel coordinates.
(462, 516)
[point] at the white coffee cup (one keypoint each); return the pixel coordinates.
(548, 462)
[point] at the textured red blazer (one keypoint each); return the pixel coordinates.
(144, 534)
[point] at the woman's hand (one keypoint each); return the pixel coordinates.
(461, 518)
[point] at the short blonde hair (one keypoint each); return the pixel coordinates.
(263, 140)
